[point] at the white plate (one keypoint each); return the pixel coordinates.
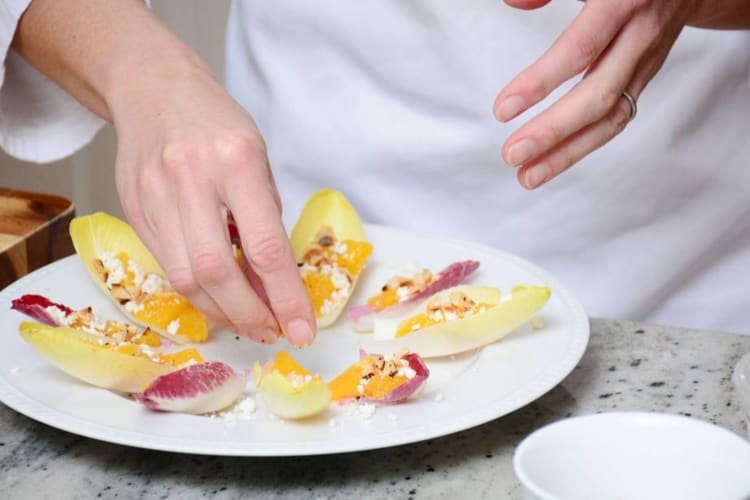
(461, 393)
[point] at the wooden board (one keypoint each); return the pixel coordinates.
(33, 232)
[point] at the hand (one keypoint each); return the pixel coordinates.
(620, 45)
(187, 155)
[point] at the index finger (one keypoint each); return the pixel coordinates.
(267, 249)
(574, 51)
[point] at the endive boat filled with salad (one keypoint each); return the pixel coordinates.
(331, 250)
(456, 320)
(129, 275)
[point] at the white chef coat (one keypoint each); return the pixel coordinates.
(390, 101)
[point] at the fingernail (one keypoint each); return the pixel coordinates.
(268, 336)
(299, 333)
(521, 152)
(537, 175)
(509, 108)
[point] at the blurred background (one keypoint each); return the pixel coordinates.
(87, 178)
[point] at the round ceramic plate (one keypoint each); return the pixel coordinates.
(462, 392)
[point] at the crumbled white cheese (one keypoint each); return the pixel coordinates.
(138, 273)
(326, 307)
(133, 307)
(361, 387)
(406, 371)
(173, 326)
(366, 410)
(113, 265)
(307, 268)
(340, 248)
(402, 293)
(243, 409)
(153, 283)
(58, 315)
(339, 279)
(450, 316)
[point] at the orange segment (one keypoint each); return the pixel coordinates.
(382, 300)
(129, 349)
(355, 256)
(414, 323)
(181, 357)
(381, 385)
(345, 385)
(150, 339)
(286, 365)
(161, 308)
(423, 320)
(319, 288)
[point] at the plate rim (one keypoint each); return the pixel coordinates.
(516, 399)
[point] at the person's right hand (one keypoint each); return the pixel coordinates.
(187, 154)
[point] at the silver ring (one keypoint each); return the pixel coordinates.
(633, 105)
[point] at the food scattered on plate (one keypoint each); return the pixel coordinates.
(456, 320)
(125, 270)
(400, 291)
(331, 250)
(289, 390)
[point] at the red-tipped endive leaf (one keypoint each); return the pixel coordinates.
(201, 388)
(408, 388)
(455, 274)
(35, 306)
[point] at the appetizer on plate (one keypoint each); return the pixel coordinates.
(104, 353)
(331, 250)
(377, 379)
(456, 320)
(402, 291)
(123, 268)
(289, 390)
(199, 389)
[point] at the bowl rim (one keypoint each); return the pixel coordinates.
(523, 447)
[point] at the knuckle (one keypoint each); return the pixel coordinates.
(239, 147)
(605, 98)
(552, 134)
(182, 280)
(619, 120)
(178, 159)
(586, 48)
(529, 83)
(209, 267)
(267, 253)
(292, 307)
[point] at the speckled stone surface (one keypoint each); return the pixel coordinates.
(628, 366)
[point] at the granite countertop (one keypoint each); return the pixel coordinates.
(628, 366)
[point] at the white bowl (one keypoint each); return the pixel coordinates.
(630, 455)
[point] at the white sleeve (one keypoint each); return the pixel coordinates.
(39, 121)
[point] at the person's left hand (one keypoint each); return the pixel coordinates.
(620, 45)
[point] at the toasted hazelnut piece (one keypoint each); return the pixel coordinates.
(120, 293)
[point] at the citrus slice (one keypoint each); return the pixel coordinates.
(122, 266)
